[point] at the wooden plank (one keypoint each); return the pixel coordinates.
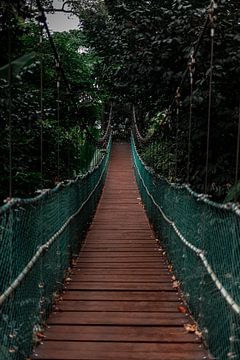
(84, 285)
(122, 295)
(124, 238)
(142, 306)
(121, 265)
(113, 241)
(120, 271)
(118, 226)
(119, 303)
(119, 220)
(62, 350)
(121, 234)
(158, 334)
(140, 260)
(120, 249)
(118, 318)
(122, 278)
(121, 254)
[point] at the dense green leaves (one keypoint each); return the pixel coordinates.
(65, 151)
(145, 47)
(137, 51)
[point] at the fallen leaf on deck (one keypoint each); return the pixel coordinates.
(175, 285)
(182, 309)
(191, 328)
(198, 333)
(74, 262)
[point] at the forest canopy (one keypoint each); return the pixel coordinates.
(138, 51)
(32, 92)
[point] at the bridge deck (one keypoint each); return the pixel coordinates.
(120, 303)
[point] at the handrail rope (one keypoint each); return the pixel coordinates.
(43, 19)
(45, 247)
(210, 95)
(238, 147)
(42, 113)
(200, 197)
(108, 128)
(177, 133)
(18, 202)
(141, 138)
(41, 102)
(58, 80)
(197, 251)
(10, 147)
(191, 66)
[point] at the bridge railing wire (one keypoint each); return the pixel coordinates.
(201, 239)
(41, 237)
(40, 240)
(165, 139)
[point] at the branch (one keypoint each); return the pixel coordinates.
(62, 9)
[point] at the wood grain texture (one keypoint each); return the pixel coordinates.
(119, 303)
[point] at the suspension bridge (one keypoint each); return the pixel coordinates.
(120, 263)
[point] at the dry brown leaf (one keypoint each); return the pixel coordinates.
(175, 285)
(74, 262)
(191, 328)
(182, 309)
(198, 333)
(40, 335)
(57, 309)
(57, 298)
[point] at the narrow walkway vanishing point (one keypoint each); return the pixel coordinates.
(120, 303)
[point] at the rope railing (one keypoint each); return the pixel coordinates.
(142, 139)
(199, 252)
(39, 238)
(44, 248)
(199, 236)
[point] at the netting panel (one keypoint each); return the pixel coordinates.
(212, 228)
(24, 228)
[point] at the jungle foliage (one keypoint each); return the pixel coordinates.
(22, 125)
(145, 46)
(139, 50)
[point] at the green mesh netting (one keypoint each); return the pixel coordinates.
(179, 214)
(59, 217)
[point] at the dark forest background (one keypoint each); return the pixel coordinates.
(137, 53)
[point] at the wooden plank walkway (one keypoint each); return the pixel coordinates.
(120, 303)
